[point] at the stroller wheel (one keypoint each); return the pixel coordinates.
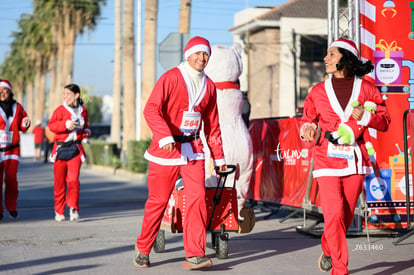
(214, 236)
(222, 249)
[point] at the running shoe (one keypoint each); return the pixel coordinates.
(197, 262)
(324, 263)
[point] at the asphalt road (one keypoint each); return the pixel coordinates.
(102, 241)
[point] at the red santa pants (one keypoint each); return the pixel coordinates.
(8, 168)
(67, 172)
(161, 181)
(338, 197)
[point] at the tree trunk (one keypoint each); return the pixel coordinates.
(39, 99)
(150, 47)
(116, 89)
(18, 94)
(58, 89)
(185, 15)
(68, 52)
(129, 114)
(53, 88)
(29, 92)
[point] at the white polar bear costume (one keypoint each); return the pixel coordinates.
(224, 68)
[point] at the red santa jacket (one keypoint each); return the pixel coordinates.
(59, 124)
(164, 112)
(10, 128)
(322, 107)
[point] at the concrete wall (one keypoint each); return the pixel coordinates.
(263, 82)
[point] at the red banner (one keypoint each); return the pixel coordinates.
(281, 162)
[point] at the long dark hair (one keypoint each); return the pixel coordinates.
(76, 90)
(352, 65)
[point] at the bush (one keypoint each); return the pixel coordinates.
(102, 153)
(135, 152)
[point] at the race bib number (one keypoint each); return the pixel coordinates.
(340, 151)
(191, 122)
(6, 137)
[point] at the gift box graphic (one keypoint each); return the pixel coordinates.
(388, 63)
(398, 192)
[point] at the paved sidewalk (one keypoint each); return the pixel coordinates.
(102, 242)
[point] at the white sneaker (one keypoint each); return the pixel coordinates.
(59, 218)
(74, 215)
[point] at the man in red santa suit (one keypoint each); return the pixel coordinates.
(182, 100)
(340, 167)
(13, 119)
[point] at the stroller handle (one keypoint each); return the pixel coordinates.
(230, 169)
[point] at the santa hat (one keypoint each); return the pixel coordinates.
(197, 44)
(346, 44)
(6, 83)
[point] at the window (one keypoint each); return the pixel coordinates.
(313, 48)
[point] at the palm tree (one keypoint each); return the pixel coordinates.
(69, 19)
(129, 115)
(116, 91)
(37, 39)
(16, 69)
(150, 47)
(45, 43)
(45, 13)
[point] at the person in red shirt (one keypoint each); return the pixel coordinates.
(38, 133)
(13, 120)
(339, 167)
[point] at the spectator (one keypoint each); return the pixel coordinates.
(38, 133)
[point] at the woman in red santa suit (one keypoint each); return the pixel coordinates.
(340, 168)
(69, 122)
(182, 100)
(13, 119)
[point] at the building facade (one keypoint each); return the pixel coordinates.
(283, 52)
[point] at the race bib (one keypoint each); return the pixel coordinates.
(6, 137)
(340, 151)
(191, 122)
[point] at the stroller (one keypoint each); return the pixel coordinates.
(222, 214)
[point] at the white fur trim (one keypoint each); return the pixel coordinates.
(26, 122)
(165, 141)
(219, 162)
(67, 124)
(166, 162)
(4, 84)
(196, 48)
(346, 46)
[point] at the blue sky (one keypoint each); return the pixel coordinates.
(93, 66)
